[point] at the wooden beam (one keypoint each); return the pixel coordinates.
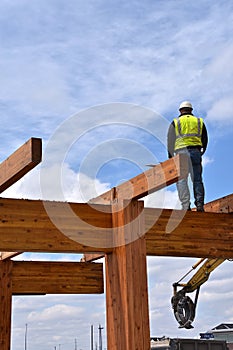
(20, 163)
(5, 304)
(190, 234)
(154, 179)
(92, 257)
(159, 176)
(46, 277)
(16, 166)
(25, 226)
(8, 255)
(126, 284)
(221, 205)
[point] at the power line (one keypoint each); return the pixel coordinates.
(100, 337)
(25, 336)
(92, 337)
(75, 344)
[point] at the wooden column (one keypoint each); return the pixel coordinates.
(126, 283)
(5, 304)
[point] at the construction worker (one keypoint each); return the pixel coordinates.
(188, 134)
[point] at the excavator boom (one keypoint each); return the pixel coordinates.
(184, 308)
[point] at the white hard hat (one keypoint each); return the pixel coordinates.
(186, 104)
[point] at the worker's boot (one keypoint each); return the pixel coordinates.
(200, 207)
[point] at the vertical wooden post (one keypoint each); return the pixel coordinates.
(126, 283)
(5, 304)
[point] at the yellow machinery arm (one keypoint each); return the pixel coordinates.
(183, 306)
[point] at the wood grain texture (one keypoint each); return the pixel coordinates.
(154, 179)
(26, 226)
(5, 304)
(20, 163)
(16, 166)
(193, 234)
(221, 205)
(126, 284)
(47, 277)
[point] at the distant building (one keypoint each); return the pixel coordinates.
(223, 331)
(187, 344)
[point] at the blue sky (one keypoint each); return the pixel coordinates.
(90, 63)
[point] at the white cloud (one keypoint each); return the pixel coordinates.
(221, 113)
(55, 312)
(163, 199)
(75, 187)
(207, 160)
(59, 57)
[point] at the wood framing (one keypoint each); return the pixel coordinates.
(167, 246)
(16, 166)
(20, 163)
(191, 234)
(122, 231)
(154, 179)
(8, 255)
(6, 304)
(26, 226)
(49, 277)
(221, 205)
(126, 284)
(92, 257)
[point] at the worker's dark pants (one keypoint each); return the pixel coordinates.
(195, 170)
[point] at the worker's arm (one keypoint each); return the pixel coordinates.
(204, 138)
(171, 138)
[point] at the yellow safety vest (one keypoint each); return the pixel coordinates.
(188, 129)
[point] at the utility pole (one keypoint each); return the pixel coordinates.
(92, 337)
(25, 336)
(75, 344)
(100, 337)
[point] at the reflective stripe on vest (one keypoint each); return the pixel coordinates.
(188, 129)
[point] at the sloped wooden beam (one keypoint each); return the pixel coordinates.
(5, 304)
(126, 283)
(8, 255)
(221, 205)
(190, 234)
(154, 179)
(92, 257)
(16, 166)
(47, 277)
(20, 163)
(26, 226)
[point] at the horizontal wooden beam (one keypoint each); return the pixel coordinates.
(221, 205)
(159, 176)
(43, 277)
(20, 163)
(190, 234)
(25, 226)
